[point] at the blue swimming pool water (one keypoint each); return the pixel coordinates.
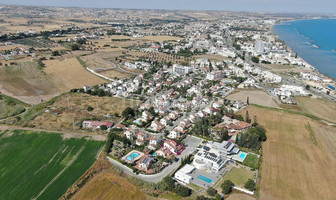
(204, 178)
(132, 156)
(242, 155)
(154, 154)
(137, 122)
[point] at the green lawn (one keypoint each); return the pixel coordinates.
(30, 161)
(251, 161)
(238, 176)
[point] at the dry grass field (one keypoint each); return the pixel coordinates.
(161, 38)
(215, 58)
(26, 82)
(319, 107)
(78, 104)
(69, 73)
(256, 97)
(238, 196)
(298, 157)
(109, 186)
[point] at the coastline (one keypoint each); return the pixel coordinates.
(306, 63)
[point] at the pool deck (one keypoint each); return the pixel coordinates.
(238, 158)
(135, 159)
(214, 176)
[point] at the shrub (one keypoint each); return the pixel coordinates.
(103, 128)
(211, 191)
(90, 108)
(227, 186)
(250, 185)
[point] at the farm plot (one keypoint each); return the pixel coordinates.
(109, 186)
(298, 156)
(69, 73)
(26, 82)
(322, 108)
(39, 165)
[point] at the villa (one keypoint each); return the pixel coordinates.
(97, 124)
(172, 146)
(209, 161)
(183, 175)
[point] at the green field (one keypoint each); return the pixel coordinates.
(238, 176)
(251, 161)
(42, 165)
(10, 107)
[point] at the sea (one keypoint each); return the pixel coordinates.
(314, 40)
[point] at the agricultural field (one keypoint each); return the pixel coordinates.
(298, 156)
(78, 104)
(239, 196)
(109, 186)
(26, 82)
(322, 108)
(40, 165)
(69, 73)
(255, 97)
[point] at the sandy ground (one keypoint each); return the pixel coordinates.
(298, 157)
(256, 97)
(69, 73)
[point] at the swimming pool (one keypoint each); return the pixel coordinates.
(204, 178)
(242, 156)
(132, 156)
(137, 122)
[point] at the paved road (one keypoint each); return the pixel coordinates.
(192, 143)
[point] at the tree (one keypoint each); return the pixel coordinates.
(168, 183)
(307, 87)
(227, 186)
(218, 197)
(55, 53)
(250, 185)
(211, 191)
(247, 117)
(255, 59)
(74, 47)
(90, 108)
(103, 127)
(183, 191)
(248, 100)
(255, 122)
(128, 113)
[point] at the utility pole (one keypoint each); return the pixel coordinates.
(73, 123)
(68, 102)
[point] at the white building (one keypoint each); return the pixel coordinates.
(182, 69)
(259, 47)
(209, 161)
(183, 176)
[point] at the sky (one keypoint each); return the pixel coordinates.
(306, 6)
